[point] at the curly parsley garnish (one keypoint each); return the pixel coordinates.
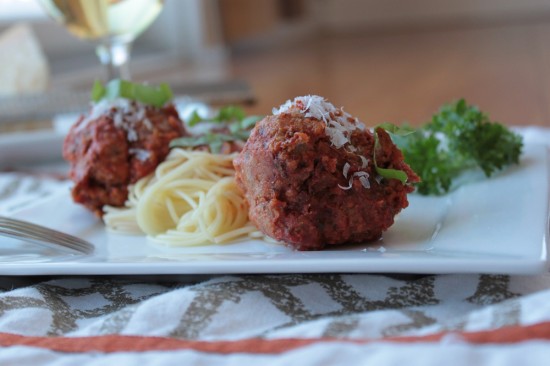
(458, 138)
(233, 117)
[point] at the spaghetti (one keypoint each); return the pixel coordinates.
(191, 199)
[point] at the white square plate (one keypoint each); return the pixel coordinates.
(496, 225)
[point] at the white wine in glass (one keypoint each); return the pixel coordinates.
(111, 24)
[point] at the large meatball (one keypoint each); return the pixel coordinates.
(309, 177)
(115, 145)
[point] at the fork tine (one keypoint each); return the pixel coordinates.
(43, 231)
(43, 235)
(68, 242)
(50, 244)
(49, 241)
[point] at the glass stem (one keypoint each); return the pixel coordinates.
(115, 57)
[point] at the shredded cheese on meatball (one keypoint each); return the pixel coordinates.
(339, 124)
(338, 127)
(125, 114)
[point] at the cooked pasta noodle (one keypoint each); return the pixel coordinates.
(190, 199)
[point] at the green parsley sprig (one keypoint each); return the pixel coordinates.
(156, 96)
(458, 138)
(232, 117)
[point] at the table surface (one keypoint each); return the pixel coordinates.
(406, 76)
(321, 318)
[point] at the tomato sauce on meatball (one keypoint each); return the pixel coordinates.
(309, 177)
(115, 145)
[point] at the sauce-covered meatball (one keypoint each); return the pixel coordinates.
(309, 176)
(115, 145)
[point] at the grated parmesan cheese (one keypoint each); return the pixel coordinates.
(348, 186)
(364, 181)
(339, 126)
(346, 169)
(125, 115)
(140, 154)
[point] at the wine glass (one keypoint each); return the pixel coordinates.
(111, 24)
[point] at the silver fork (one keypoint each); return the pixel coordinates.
(43, 236)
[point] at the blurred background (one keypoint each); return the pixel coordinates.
(382, 60)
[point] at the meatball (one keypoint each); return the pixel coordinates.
(115, 145)
(309, 176)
